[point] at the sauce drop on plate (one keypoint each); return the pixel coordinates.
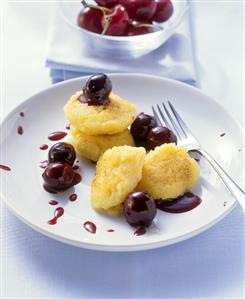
(90, 227)
(53, 202)
(5, 167)
(20, 130)
(73, 197)
(43, 147)
(55, 136)
(140, 231)
(58, 212)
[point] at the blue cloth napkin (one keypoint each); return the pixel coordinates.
(68, 58)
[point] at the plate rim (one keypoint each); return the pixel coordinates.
(119, 248)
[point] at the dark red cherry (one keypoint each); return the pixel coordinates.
(107, 3)
(58, 176)
(136, 28)
(160, 135)
(116, 22)
(90, 19)
(164, 10)
(140, 10)
(97, 89)
(139, 209)
(62, 152)
(141, 126)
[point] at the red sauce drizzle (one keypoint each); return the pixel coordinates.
(73, 197)
(140, 231)
(75, 167)
(110, 230)
(223, 134)
(90, 227)
(58, 212)
(5, 167)
(181, 204)
(55, 136)
(43, 147)
(53, 202)
(20, 130)
(21, 114)
(43, 164)
(68, 126)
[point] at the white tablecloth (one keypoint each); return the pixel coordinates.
(210, 265)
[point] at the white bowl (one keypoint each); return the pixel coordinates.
(123, 46)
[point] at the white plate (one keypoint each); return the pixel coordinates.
(22, 186)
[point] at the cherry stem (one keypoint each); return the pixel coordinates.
(131, 22)
(102, 8)
(106, 26)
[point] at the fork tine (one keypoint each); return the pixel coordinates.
(181, 123)
(173, 122)
(159, 123)
(167, 124)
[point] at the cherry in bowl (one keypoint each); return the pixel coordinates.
(107, 3)
(140, 10)
(164, 10)
(116, 22)
(137, 28)
(90, 19)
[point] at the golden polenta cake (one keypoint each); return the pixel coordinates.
(114, 211)
(109, 119)
(118, 172)
(168, 171)
(93, 146)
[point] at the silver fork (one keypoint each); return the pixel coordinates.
(169, 117)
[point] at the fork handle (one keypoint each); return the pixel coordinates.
(237, 192)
